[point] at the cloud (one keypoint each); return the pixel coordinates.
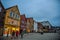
(38, 9)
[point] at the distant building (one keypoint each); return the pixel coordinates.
(40, 27)
(12, 20)
(46, 24)
(23, 22)
(56, 27)
(30, 24)
(35, 26)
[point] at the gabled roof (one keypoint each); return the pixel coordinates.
(45, 22)
(13, 7)
(39, 23)
(22, 15)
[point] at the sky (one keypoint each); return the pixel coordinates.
(40, 10)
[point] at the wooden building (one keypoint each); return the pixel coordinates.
(40, 27)
(30, 24)
(46, 25)
(23, 22)
(12, 20)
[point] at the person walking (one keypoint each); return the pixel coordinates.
(17, 33)
(13, 34)
(41, 31)
(21, 32)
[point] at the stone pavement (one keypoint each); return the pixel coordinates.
(38, 36)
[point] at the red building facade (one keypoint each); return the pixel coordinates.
(23, 22)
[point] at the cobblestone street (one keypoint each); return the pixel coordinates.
(38, 36)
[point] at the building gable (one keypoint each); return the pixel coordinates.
(14, 9)
(13, 16)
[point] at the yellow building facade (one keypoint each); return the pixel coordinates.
(30, 24)
(12, 20)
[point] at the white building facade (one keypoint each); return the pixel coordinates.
(35, 26)
(46, 24)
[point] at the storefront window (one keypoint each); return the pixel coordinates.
(13, 29)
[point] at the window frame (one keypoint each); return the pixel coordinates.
(11, 14)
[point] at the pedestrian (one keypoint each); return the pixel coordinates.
(41, 31)
(24, 31)
(17, 33)
(13, 34)
(7, 33)
(21, 32)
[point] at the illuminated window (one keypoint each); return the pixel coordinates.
(13, 28)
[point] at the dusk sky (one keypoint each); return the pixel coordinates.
(40, 10)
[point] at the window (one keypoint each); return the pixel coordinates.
(16, 15)
(11, 14)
